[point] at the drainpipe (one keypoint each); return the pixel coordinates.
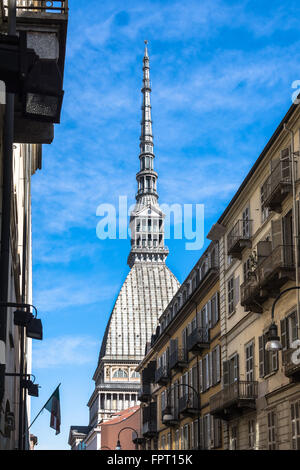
(295, 224)
(8, 137)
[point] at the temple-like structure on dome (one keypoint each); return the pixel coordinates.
(147, 290)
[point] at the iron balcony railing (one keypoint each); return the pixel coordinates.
(230, 395)
(43, 6)
(278, 184)
(174, 412)
(144, 392)
(239, 236)
(162, 374)
(189, 403)
(178, 358)
(149, 422)
(290, 367)
(149, 427)
(281, 258)
(199, 338)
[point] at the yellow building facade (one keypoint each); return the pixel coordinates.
(182, 366)
(260, 397)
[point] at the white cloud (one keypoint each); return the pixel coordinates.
(64, 351)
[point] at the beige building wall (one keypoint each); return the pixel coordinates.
(240, 326)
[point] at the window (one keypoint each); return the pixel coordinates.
(206, 431)
(177, 439)
(268, 360)
(216, 433)
(163, 442)
(231, 370)
(264, 210)
(295, 409)
(214, 307)
(194, 435)
(249, 353)
(185, 437)
(169, 439)
(289, 330)
(271, 430)
(120, 373)
(215, 357)
(246, 223)
(233, 438)
(135, 374)
(251, 433)
(230, 295)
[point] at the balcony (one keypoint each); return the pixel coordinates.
(178, 359)
(173, 416)
(291, 369)
(45, 23)
(252, 296)
(189, 405)
(239, 238)
(198, 340)
(145, 393)
(234, 399)
(162, 375)
(276, 269)
(149, 428)
(278, 185)
(149, 425)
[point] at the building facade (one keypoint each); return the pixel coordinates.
(21, 142)
(182, 368)
(148, 288)
(258, 239)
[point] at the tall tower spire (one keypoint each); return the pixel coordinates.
(147, 220)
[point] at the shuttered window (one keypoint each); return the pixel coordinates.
(272, 430)
(268, 360)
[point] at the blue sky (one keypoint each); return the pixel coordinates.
(221, 76)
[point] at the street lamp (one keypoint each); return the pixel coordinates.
(118, 446)
(273, 344)
(168, 416)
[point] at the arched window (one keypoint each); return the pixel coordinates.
(135, 375)
(120, 373)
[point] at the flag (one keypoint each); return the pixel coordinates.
(53, 405)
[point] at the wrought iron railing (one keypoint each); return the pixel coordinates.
(173, 410)
(239, 390)
(281, 257)
(145, 390)
(242, 230)
(281, 174)
(162, 374)
(198, 335)
(188, 401)
(178, 356)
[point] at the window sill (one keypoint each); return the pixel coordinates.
(231, 314)
(270, 374)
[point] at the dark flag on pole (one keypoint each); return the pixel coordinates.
(53, 405)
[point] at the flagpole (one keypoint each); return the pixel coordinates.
(42, 408)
